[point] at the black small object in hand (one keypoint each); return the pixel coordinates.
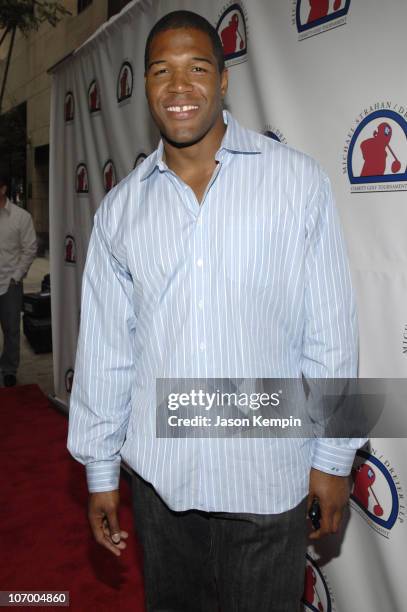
(315, 514)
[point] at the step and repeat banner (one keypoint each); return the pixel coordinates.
(326, 77)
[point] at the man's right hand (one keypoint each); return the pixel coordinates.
(104, 522)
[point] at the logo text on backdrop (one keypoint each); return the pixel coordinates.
(375, 152)
(313, 17)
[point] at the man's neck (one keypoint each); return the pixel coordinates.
(197, 157)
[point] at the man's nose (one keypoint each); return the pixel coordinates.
(180, 81)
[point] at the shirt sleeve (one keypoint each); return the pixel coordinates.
(100, 402)
(28, 244)
(330, 339)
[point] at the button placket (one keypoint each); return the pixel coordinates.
(201, 275)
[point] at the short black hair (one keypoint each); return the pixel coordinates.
(186, 19)
(4, 180)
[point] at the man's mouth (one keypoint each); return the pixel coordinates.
(182, 109)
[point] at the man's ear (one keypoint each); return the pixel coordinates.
(224, 81)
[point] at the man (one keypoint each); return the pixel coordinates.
(220, 256)
(18, 248)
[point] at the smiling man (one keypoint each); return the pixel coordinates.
(221, 257)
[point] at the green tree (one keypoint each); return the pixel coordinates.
(25, 16)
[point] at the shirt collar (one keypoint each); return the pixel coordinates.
(235, 140)
(238, 139)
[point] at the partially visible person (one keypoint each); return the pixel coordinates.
(18, 247)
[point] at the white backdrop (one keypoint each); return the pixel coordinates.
(326, 77)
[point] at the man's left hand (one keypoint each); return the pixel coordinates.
(333, 495)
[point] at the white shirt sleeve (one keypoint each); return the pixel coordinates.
(28, 245)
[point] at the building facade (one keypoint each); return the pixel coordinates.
(27, 99)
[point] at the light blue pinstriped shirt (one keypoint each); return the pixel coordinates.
(254, 282)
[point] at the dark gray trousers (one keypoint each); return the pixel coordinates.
(10, 315)
(219, 562)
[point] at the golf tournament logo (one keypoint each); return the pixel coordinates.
(313, 17)
(124, 82)
(81, 179)
(69, 374)
(109, 175)
(139, 159)
(232, 30)
(375, 152)
(317, 595)
(93, 97)
(69, 250)
(69, 107)
(274, 133)
(377, 495)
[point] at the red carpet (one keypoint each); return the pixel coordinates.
(45, 541)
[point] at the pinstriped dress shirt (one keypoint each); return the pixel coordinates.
(252, 282)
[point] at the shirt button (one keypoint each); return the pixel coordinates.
(202, 346)
(199, 262)
(199, 221)
(200, 304)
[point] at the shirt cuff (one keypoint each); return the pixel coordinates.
(332, 459)
(103, 476)
(18, 275)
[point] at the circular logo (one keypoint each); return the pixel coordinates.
(273, 132)
(378, 149)
(93, 97)
(69, 249)
(69, 374)
(69, 107)
(232, 31)
(374, 492)
(271, 135)
(139, 159)
(316, 596)
(81, 179)
(109, 175)
(320, 14)
(404, 341)
(124, 82)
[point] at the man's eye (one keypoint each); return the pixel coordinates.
(161, 71)
(198, 69)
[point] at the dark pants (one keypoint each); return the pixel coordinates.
(10, 314)
(209, 561)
